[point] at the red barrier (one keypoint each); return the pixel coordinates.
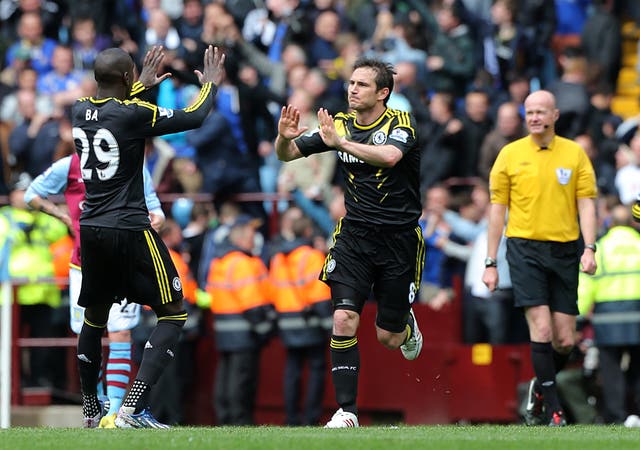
(449, 382)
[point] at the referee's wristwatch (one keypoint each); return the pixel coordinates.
(591, 247)
(490, 262)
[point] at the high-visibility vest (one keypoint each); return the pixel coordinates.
(301, 299)
(240, 294)
(31, 234)
(61, 251)
(614, 290)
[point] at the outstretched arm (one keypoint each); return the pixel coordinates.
(377, 155)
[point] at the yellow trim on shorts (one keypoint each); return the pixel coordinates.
(94, 325)
(182, 316)
(161, 271)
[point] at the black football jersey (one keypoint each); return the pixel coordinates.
(109, 137)
(377, 195)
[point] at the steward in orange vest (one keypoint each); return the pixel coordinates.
(240, 292)
(302, 301)
(242, 320)
(304, 308)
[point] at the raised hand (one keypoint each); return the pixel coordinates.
(328, 131)
(213, 66)
(149, 73)
(289, 122)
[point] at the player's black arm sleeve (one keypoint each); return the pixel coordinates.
(139, 90)
(172, 121)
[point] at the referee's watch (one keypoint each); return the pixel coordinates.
(591, 247)
(490, 262)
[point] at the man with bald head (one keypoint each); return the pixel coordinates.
(122, 256)
(546, 182)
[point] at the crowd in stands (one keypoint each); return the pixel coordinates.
(463, 69)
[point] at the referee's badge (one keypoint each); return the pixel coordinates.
(564, 175)
(331, 265)
(379, 137)
(177, 284)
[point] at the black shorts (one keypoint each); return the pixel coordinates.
(544, 273)
(384, 260)
(118, 264)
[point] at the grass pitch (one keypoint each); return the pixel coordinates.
(445, 437)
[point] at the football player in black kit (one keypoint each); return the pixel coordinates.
(378, 244)
(122, 256)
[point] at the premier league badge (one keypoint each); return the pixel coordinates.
(564, 175)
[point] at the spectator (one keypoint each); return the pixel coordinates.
(240, 294)
(450, 60)
(86, 42)
(571, 93)
(508, 129)
(602, 42)
(503, 43)
(160, 31)
(627, 179)
(571, 16)
(476, 124)
(611, 298)
(63, 84)
(434, 228)
(33, 143)
(31, 233)
(189, 24)
(538, 19)
(445, 143)
(303, 304)
(32, 42)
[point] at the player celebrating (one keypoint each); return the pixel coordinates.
(378, 244)
(122, 256)
(63, 177)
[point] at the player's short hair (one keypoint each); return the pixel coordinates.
(111, 64)
(384, 73)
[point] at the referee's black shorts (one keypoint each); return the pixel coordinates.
(388, 260)
(131, 264)
(544, 273)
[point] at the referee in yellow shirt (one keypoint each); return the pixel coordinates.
(546, 182)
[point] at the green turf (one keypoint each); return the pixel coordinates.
(449, 437)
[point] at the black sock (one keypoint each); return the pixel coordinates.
(544, 368)
(137, 396)
(158, 352)
(90, 357)
(560, 359)
(345, 365)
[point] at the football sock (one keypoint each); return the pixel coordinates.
(118, 373)
(90, 405)
(544, 368)
(560, 360)
(136, 399)
(89, 362)
(345, 365)
(90, 357)
(158, 353)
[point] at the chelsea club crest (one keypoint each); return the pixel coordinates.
(379, 137)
